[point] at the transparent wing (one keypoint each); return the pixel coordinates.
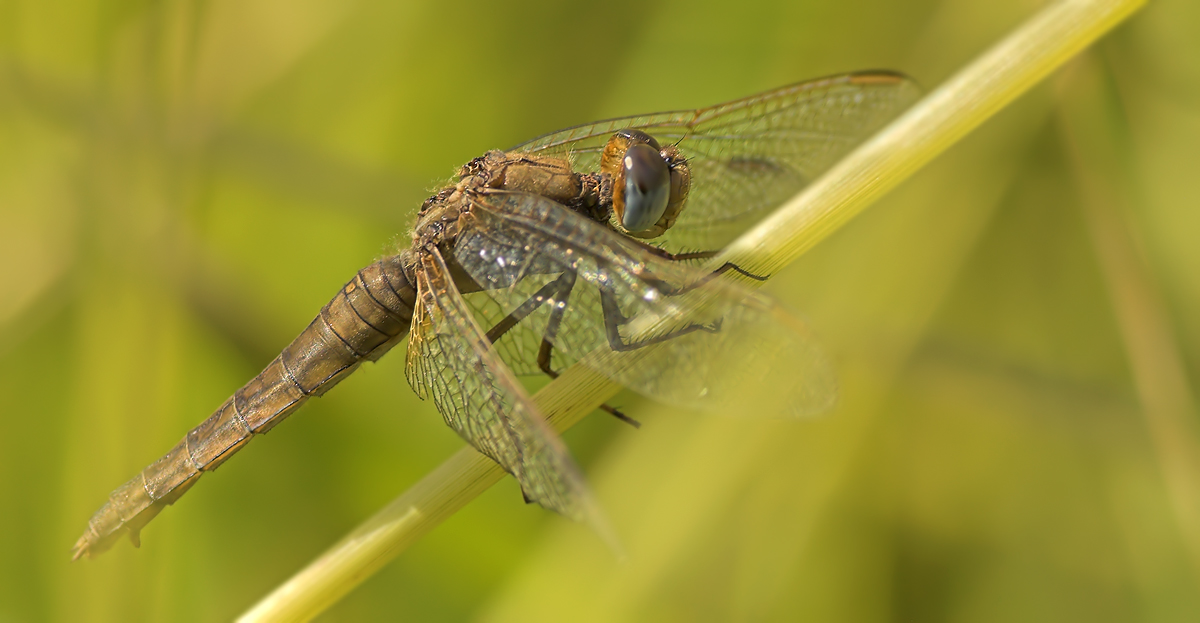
(749, 155)
(519, 346)
(450, 359)
(659, 327)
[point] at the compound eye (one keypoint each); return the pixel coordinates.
(647, 187)
(638, 136)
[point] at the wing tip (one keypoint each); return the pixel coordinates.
(595, 519)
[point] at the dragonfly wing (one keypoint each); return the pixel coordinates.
(749, 155)
(518, 347)
(479, 398)
(713, 339)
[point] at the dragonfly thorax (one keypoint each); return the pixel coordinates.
(497, 171)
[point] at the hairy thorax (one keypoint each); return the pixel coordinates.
(442, 216)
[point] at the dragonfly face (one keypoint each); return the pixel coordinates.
(649, 184)
(537, 259)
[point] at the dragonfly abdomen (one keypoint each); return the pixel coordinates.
(362, 322)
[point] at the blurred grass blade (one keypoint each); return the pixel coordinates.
(1011, 67)
(1168, 404)
(974, 94)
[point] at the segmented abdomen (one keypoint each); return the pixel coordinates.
(362, 322)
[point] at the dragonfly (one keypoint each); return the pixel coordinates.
(584, 245)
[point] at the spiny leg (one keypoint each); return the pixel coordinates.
(668, 289)
(546, 350)
(529, 306)
(560, 290)
(700, 255)
(613, 319)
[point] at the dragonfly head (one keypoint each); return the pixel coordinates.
(650, 184)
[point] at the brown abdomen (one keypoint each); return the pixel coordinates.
(362, 322)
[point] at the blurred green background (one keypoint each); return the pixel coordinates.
(184, 183)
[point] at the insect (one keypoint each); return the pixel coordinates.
(580, 245)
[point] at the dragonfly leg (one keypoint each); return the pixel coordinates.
(728, 266)
(544, 363)
(547, 349)
(559, 290)
(613, 319)
(701, 255)
(530, 305)
(668, 289)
